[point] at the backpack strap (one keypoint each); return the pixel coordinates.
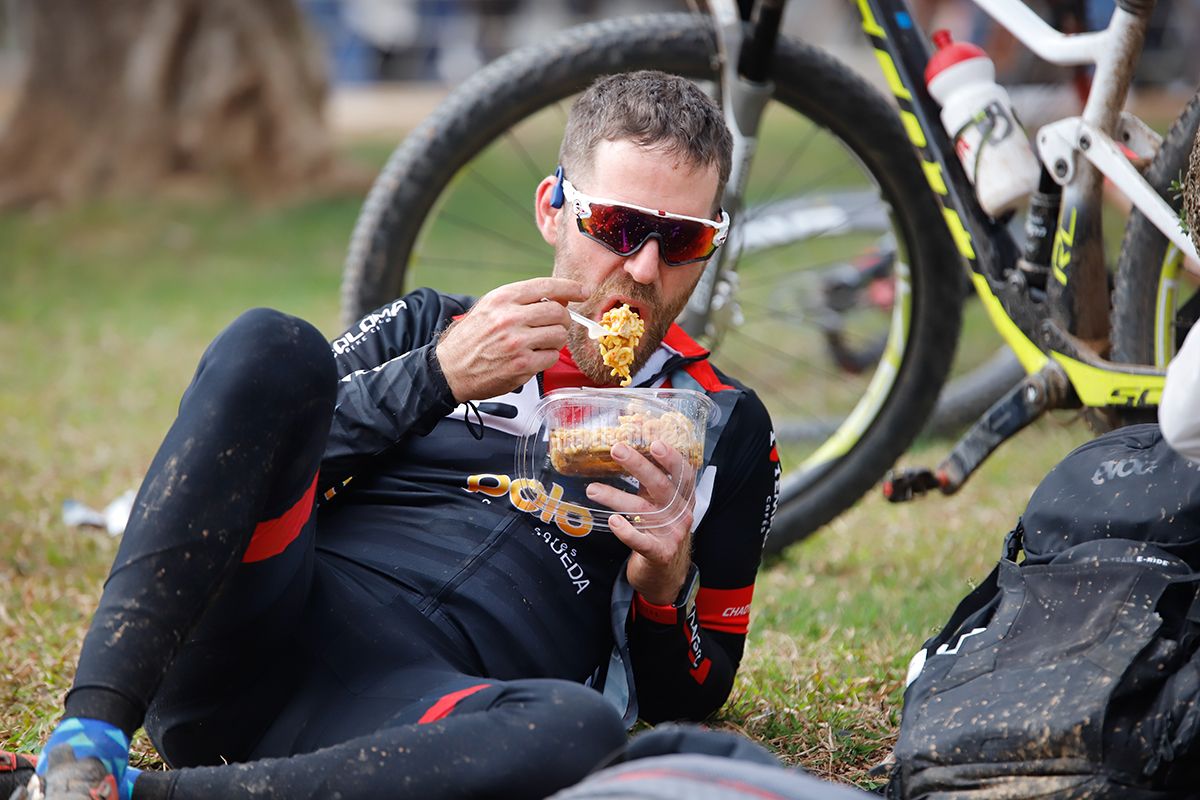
(616, 682)
(980, 598)
(983, 595)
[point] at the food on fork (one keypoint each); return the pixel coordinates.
(617, 348)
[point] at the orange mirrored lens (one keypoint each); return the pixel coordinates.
(624, 230)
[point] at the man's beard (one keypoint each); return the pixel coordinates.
(586, 352)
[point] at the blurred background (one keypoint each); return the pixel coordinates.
(74, 74)
(166, 164)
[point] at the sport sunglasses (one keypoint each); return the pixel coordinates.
(625, 228)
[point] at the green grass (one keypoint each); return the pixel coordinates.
(105, 310)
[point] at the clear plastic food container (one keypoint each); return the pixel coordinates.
(568, 444)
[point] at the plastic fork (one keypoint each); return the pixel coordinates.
(595, 329)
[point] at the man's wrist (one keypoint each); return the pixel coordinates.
(440, 366)
(666, 590)
(439, 374)
(669, 613)
(661, 615)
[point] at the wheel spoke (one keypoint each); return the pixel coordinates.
(530, 162)
(806, 321)
(755, 277)
(514, 204)
(455, 262)
(768, 380)
(821, 179)
(790, 161)
(472, 225)
(784, 357)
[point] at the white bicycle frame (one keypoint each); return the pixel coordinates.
(1113, 52)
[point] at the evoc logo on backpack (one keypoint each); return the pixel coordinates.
(1111, 470)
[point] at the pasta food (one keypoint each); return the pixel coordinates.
(586, 450)
(617, 348)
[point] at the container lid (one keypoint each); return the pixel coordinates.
(567, 446)
(949, 53)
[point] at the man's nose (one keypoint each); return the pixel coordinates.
(643, 266)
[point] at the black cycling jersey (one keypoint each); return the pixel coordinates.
(433, 509)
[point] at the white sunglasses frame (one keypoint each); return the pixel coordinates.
(581, 204)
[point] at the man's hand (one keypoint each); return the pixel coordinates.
(661, 556)
(507, 337)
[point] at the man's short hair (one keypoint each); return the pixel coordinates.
(654, 110)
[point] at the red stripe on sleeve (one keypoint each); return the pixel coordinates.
(663, 615)
(725, 610)
(272, 537)
(446, 703)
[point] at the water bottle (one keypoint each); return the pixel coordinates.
(978, 115)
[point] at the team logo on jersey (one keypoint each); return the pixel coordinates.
(351, 338)
(699, 664)
(530, 495)
(772, 502)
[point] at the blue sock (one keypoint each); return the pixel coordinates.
(131, 774)
(92, 738)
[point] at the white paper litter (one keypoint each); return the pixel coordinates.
(112, 519)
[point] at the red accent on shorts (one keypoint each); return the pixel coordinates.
(725, 610)
(446, 703)
(663, 615)
(273, 536)
(700, 673)
(738, 788)
(774, 454)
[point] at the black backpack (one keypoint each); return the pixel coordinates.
(1075, 672)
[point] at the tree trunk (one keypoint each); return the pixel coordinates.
(120, 95)
(1191, 193)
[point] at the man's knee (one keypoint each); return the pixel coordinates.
(540, 734)
(578, 724)
(268, 356)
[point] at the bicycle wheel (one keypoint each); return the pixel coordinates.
(1155, 301)
(452, 209)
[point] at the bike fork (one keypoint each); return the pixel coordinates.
(1031, 398)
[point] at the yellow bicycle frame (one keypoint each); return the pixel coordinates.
(1097, 383)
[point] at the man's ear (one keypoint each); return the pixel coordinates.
(547, 216)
